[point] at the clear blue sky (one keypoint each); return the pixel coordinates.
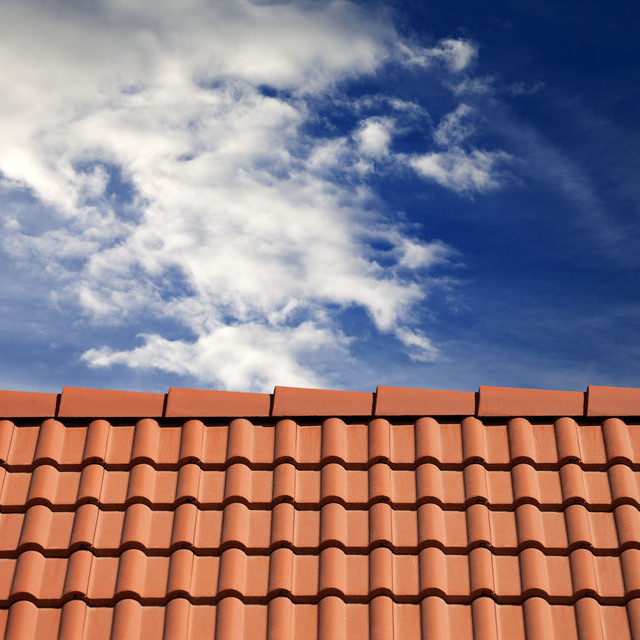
(237, 195)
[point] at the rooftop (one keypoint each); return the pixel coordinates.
(404, 513)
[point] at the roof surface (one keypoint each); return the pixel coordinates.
(405, 513)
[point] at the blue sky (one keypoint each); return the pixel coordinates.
(332, 194)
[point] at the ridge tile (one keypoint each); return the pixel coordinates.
(293, 401)
(201, 403)
(76, 402)
(394, 401)
(512, 402)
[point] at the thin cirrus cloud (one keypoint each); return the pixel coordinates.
(173, 177)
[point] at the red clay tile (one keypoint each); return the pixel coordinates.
(399, 401)
(501, 401)
(27, 404)
(291, 401)
(612, 401)
(200, 403)
(92, 403)
(436, 528)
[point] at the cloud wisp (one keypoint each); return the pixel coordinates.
(174, 178)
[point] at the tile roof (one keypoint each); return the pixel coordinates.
(404, 513)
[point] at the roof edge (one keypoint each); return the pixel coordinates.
(386, 401)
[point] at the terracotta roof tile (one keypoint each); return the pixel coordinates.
(400, 514)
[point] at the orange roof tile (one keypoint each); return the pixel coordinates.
(405, 513)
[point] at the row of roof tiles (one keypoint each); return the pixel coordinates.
(330, 619)
(310, 577)
(160, 532)
(353, 445)
(288, 401)
(306, 489)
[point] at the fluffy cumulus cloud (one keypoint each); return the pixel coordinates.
(169, 175)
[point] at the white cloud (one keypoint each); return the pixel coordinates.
(455, 127)
(224, 219)
(454, 54)
(460, 170)
(419, 347)
(374, 135)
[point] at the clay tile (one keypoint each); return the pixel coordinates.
(333, 482)
(235, 524)
(379, 477)
(233, 572)
(434, 618)
(6, 435)
(427, 435)
(332, 578)
(127, 619)
(630, 561)
(284, 482)
(524, 479)
(280, 572)
(529, 525)
(21, 621)
(131, 573)
(521, 442)
(533, 572)
(176, 619)
(612, 401)
(84, 526)
(538, 621)
(180, 572)
(292, 401)
(89, 403)
(503, 401)
(282, 524)
(627, 520)
(332, 619)
(137, 523)
(380, 571)
(26, 404)
(286, 436)
(432, 571)
(146, 437)
(622, 483)
(184, 525)
(583, 572)
(334, 440)
(76, 581)
(475, 484)
(379, 441)
(72, 620)
(201, 403)
(572, 484)
(567, 441)
(188, 485)
(399, 401)
(473, 445)
(481, 572)
(240, 442)
(230, 619)
(616, 440)
(36, 527)
(588, 620)
(431, 525)
(478, 524)
(483, 611)
(191, 442)
(381, 618)
(578, 526)
(333, 524)
(380, 523)
(50, 442)
(280, 619)
(95, 446)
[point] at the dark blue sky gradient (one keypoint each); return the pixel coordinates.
(543, 288)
